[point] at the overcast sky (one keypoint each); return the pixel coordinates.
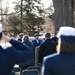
(9, 3)
(46, 3)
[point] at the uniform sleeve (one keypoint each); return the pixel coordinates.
(19, 53)
(18, 45)
(45, 70)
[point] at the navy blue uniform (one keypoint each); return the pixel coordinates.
(29, 44)
(37, 43)
(20, 39)
(30, 62)
(59, 64)
(10, 56)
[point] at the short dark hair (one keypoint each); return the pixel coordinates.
(47, 35)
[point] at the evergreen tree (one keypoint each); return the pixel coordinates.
(31, 15)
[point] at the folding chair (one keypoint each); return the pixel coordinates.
(30, 72)
(34, 67)
(17, 70)
(36, 55)
(12, 73)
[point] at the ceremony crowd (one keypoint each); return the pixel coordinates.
(51, 61)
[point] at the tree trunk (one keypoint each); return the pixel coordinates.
(63, 15)
(74, 11)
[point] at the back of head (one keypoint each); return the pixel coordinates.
(47, 35)
(67, 36)
(25, 38)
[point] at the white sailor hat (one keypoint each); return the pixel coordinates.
(21, 34)
(36, 34)
(67, 34)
